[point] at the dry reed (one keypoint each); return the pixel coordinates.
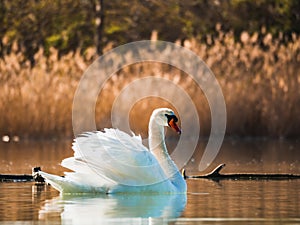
(259, 80)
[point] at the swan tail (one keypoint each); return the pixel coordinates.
(67, 185)
(56, 181)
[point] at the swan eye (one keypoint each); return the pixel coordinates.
(170, 117)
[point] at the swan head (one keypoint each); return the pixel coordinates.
(166, 117)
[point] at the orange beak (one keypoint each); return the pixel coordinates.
(173, 124)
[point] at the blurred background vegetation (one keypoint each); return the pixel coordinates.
(69, 25)
(252, 46)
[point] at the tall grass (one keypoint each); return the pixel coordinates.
(260, 82)
(37, 102)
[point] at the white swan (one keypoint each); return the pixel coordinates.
(115, 162)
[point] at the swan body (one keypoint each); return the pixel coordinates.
(115, 162)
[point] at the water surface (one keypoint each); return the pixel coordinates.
(207, 201)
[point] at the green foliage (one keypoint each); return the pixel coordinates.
(71, 24)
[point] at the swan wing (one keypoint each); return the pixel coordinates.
(113, 158)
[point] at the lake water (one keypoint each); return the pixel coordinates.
(207, 201)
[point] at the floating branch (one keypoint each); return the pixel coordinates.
(23, 177)
(215, 175)
(15, 178)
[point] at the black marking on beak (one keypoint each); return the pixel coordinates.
(170, 117)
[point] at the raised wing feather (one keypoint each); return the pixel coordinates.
(113, 158)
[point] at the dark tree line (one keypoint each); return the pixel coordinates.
(78, 24)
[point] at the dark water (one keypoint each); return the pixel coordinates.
(207, 201)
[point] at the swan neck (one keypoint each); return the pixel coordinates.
(157, 143)
(158, 148)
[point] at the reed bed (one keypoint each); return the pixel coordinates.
(260, 82)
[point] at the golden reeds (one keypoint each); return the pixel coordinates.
(260, 81)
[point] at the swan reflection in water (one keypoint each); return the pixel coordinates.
(107, 209)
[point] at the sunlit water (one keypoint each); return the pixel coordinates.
(207, 201)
